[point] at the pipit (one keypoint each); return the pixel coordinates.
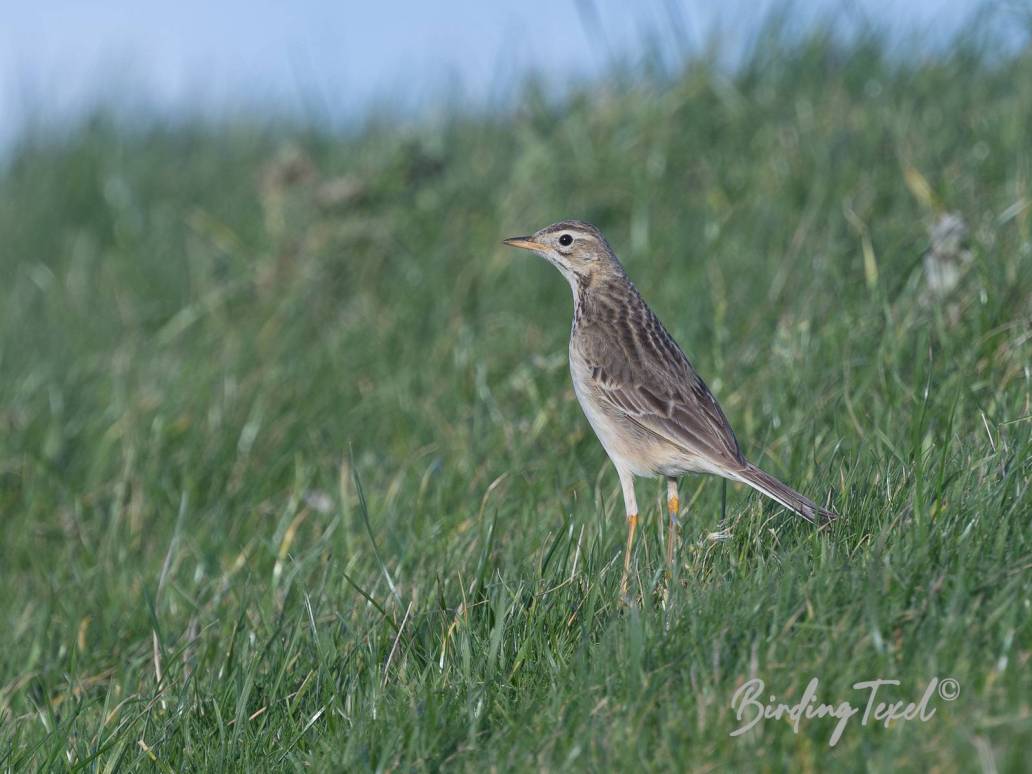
(649, 408)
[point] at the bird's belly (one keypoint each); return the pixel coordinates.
(628, 446)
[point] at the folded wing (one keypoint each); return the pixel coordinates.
(646, 378)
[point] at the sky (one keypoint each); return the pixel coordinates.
(333, 60)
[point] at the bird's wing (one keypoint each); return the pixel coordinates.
(646, 378)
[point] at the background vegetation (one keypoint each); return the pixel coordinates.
(291, 472)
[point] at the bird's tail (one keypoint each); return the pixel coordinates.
(786, 495)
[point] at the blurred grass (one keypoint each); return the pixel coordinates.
(291, 473)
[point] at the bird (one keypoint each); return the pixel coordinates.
(652, 412)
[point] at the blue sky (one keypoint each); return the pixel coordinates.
(333, 59)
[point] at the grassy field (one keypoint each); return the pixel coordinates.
(292, 476)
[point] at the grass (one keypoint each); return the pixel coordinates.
(292, 476)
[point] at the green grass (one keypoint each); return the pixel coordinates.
(292, 476)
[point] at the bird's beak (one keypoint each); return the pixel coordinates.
(524, 243)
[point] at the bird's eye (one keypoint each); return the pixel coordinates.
(566, 240)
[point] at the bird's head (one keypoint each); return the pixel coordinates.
(576, 248)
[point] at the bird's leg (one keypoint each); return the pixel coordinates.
(631, 507)
(672, 508)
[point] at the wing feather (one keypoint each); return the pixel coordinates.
(638, 372)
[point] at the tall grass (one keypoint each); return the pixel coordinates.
(291, 473)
